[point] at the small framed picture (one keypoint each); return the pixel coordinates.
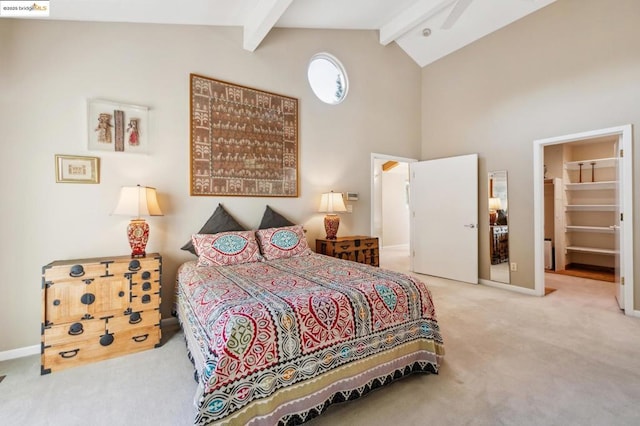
(75, 169)
(117, 127)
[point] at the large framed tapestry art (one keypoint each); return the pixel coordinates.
(244, 141)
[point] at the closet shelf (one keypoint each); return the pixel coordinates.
(586, 186)
(591, 207)
(600, 162)
(594, 229)
(592, 250)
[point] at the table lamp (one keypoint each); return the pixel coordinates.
(494, 206)
(138, 201)
(331, 203)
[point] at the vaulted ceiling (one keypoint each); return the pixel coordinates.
(426, 30)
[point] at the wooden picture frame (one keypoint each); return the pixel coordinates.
(244, 142)
(77, 169)
(117, 127)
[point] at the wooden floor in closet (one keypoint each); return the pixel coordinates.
(588, 271)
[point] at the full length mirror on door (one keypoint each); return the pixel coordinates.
(499, 227)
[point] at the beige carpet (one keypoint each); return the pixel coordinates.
(570, 358)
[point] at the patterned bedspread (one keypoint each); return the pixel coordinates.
(279, 341)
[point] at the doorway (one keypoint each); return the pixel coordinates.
(389, 206)
(596, 196)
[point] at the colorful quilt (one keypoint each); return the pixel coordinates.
(279, 341)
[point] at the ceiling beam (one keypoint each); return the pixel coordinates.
(386, 166)
(456, 13)
(261, 20)
(410, 18)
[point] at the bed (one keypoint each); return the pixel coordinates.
(276, 339)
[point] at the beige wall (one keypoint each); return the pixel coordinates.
(571, 67)
(49, 69)
(554, 160)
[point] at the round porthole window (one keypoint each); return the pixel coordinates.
(327, 78)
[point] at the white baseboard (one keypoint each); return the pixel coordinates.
(509, 287)
(635, 313)
(20, 352)
(35, 349)
(397, 246)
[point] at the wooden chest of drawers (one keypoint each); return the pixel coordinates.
(358, 249)
(94, 309)
(499, 244)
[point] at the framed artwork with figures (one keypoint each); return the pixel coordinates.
(117, 127)
(244, 141)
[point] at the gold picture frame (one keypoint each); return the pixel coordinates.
(77, 169)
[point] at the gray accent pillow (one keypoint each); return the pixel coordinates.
(220, 221)
(273, 219)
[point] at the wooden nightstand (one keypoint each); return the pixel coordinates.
(94, 309)
(358, 248)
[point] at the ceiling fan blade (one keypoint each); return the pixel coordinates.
(456, 13)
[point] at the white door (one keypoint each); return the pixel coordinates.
(444, 217)
(617, 229)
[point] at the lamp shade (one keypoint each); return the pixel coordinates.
(495, 204)
(331, 202)
(138, 201)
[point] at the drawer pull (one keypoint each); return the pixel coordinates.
(56, 302)
(106, 340)
(146, 275)
(146, 298)
(121, 294)
(76, 271)
(88, 298)
(146, 286)
(76, 329)
(134, 265)
(69, 354)
(140, 338)
(135, 318)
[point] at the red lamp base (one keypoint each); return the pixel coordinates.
(138, 233)
(331, 224)
(493, 216)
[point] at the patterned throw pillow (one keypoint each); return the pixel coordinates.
(220, 221)
(278, 243)
(226, 248)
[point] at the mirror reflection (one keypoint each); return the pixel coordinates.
(499, 227)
